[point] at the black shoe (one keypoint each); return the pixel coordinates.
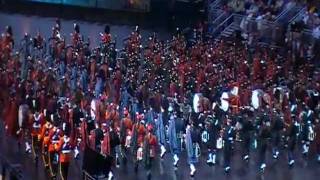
(136, 168)
(291, 163)
(36, 160)
(175, 168)
(124, 160)
(53, 177)
(117, 163)
(227, 169)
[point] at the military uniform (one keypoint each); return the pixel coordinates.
(35, 132)
(53, 156)
(138, 134)
(276, 129)
(263, 136)
(64, 148)
(209, 137)
(292, 132)
(125, 134)
(45, 140)
(149, 149)
(228, 138)
(193, 148)
(246, 134)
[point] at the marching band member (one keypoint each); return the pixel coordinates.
(192, 146)
(95, 138)
(307, 129)
(36, 128)
(64, 148)
(149, 149)
(210, 137)
(53, 156)
(45, 140)
(125, 134)
(292, 133)
(106, 36)
(138, 134)
(228, 137)
(106, 145)
(160, 132)
(276, 129)
(246, 133)
(175, 138)
(263, 136)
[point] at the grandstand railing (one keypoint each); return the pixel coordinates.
(298, 16)
(224, 24)
(216, 17)
(306, 34)
(215, 4)
(265, 31)
(285, 16)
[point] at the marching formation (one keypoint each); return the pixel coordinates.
(156, 98)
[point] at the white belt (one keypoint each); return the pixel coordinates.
(66, 151)
(55, 142)
(36, 126)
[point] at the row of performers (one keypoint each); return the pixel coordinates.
(56, 137)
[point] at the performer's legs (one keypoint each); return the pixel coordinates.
(227, 157)
(275, 148)
(246, 148)
(64, 167)
(148, 168)
(192, 169)
(262, 156)
(35, 147)
(318, 152)
(52, 164)
(305, 147)
(45, 156)
(291, 148)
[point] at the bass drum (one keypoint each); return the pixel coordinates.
(219, 144)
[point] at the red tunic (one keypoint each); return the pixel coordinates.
(84, 135)
(257, 69)
(235, 104)
(141, 133)
(106, 38)
(105, 145)
(11, 119)
(152, 140)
